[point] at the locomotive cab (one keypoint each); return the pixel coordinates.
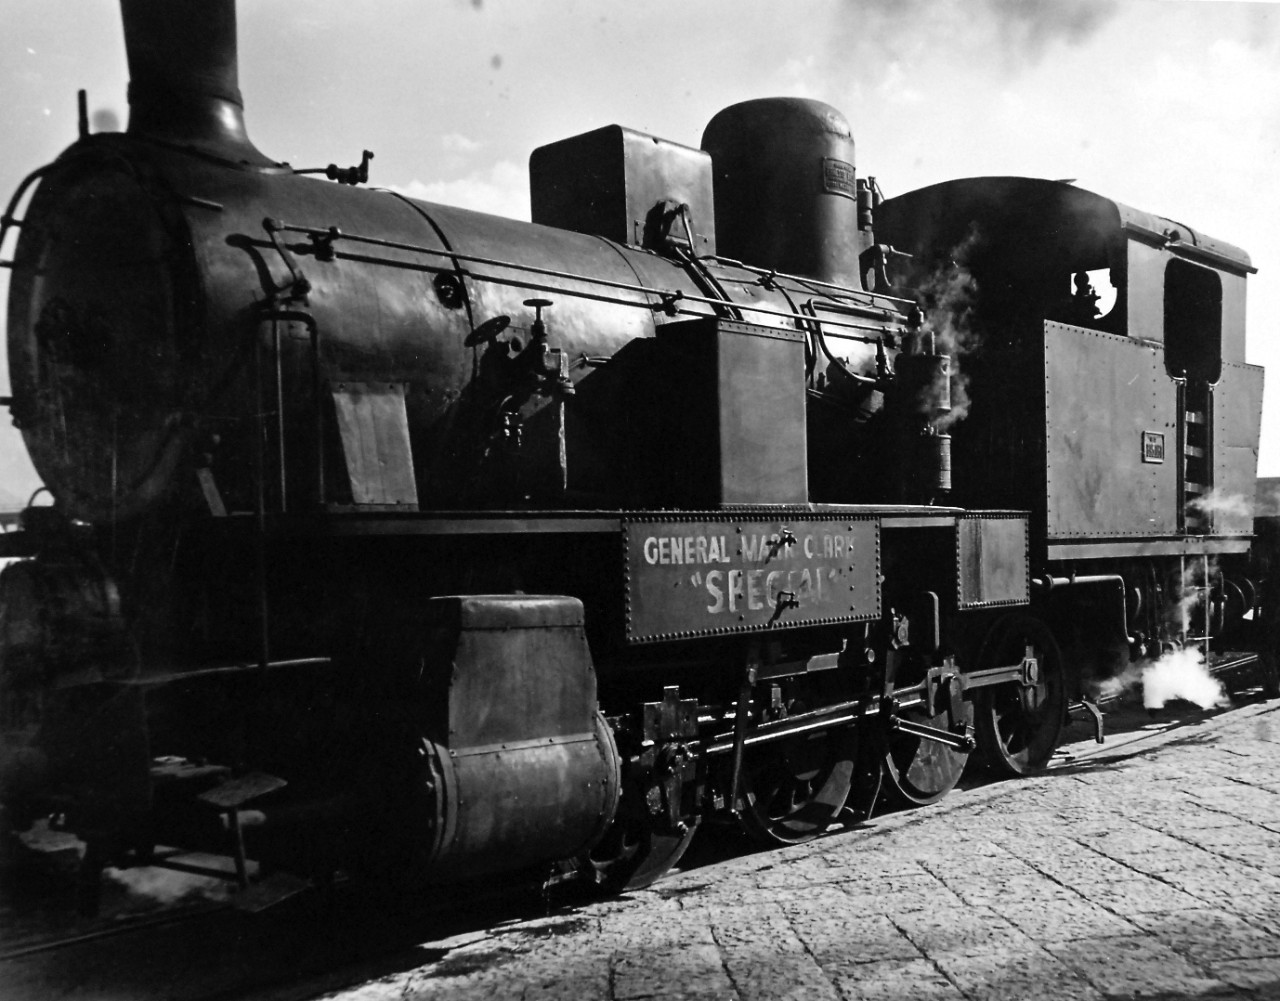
(1132, 428)
(1132, 436)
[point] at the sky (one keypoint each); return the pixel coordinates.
(1170, 106)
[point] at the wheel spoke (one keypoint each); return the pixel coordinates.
(793, 789)
(1017, 731)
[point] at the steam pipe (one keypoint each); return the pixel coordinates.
(184, 76)
(1050, 584)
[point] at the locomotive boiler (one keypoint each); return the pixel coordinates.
(395, 538)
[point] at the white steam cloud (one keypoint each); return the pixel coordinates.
(1178, 674)
(948, 298)
(1181, 674)
(151, 888)
(1221, 502)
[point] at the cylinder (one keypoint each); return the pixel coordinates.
(506, 807)
(785, 187)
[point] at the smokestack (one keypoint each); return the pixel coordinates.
(183, 76)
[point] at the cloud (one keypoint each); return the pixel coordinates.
(796, 76)
(1015, 34)
(456, 142)
(502, 189)
(1032, 26)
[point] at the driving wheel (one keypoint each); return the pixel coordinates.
(793, 789)
(1019, 722)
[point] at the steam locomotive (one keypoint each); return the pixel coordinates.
(399, 539)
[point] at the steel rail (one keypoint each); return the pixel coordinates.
(122, 927)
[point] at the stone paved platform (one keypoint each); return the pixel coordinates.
(1147, 868)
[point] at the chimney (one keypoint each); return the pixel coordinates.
(183, 76)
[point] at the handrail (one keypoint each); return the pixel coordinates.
(9, 220)
(666, 298)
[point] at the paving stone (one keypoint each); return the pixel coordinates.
(894, 980)
(999, 891)
(878, 865)
(984, 866)
(1223, 884)
(1140, 895)
(1062, 920)
(1134, 965)
(1261, 977)
(931, 897)
(977, 929)
(1167, 861)
(1260, 910)
(1072, 861)
(1155, 877)
(1210, 935)
(745, 934)
(690, 971)
(841, 942)
(1015, 975)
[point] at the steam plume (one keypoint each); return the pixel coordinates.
(151, 888)
(1220, 502)
(949, 296)
(1179, 674)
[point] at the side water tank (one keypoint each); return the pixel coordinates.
(785, 189)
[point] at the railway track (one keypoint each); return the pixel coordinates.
(200, 950)
(126, 927)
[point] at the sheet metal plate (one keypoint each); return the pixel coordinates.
(696, 575)
(992, 563)
(1237, 422)
(1104, 396)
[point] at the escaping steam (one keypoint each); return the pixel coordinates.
(948, 297)
(1178, 674)
(149, 888)
(1181, 674)
(1221, 502)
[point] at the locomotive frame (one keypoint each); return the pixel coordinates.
(394, 538)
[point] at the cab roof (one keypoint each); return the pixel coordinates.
(1035, 218)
